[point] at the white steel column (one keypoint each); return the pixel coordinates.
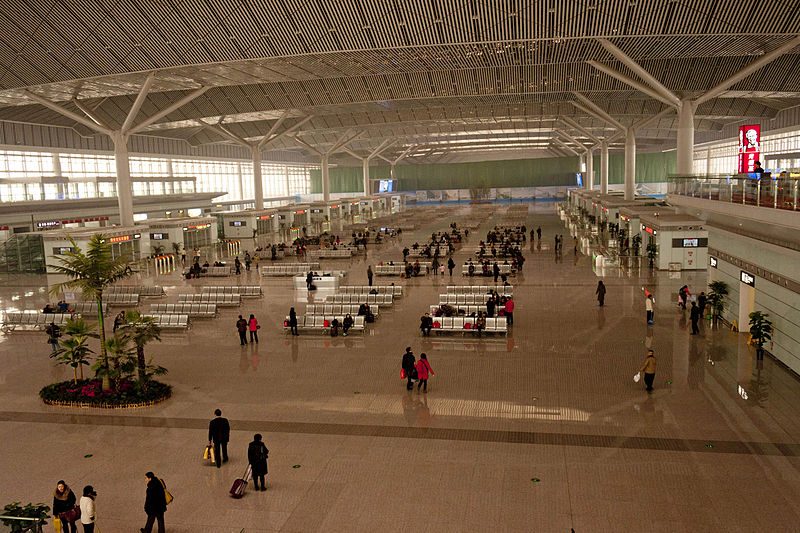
(326, 178)
(630, 163)
(685, 137)
(258, 183)
(288, 186)
(365, 170)
(589, 181)
(604, 167)
(124, 191)
(708, 162)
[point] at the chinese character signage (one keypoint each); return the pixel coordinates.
(749, 147)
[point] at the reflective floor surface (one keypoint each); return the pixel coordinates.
(543, 430)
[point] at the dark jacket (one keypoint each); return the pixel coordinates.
(219, 430)
(62, 506)
(257, 455)
(292, 318)
(694, 314)
(241, 325)
(155, 502)
(408, 361)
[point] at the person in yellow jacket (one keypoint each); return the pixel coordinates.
(649, 370)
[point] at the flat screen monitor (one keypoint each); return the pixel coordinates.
(386, 185)
(690, 243)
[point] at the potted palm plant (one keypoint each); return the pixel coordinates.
(760, 332)
(717, 290)
(91, 272)
(141, 330)
(74, 351)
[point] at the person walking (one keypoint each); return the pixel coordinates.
(408, 367)
(64, 507)
(241, 327)
(509, 308)
(88, 509)
(496, 271)
(257, 455)
(435, 266)
(649, 370)
(648, 305)
(424, 370)
(451, 265)
(293, 321)
(253, 326)
(219, 432)
(155, 503)
(369, 275)
(53, 333)
(702, 300)
(309, 280)
(601, 293)
(539, 233)
(247, 261)
(237, 265)
(694, 315)
(490, 307)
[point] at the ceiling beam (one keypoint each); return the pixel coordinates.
(641, 87)
(596, 111)
(144, 90)
(66, 112)
(269, 140)
(560, 143)
(91, 114)
(749, 69)
(583, 131)
(167, 110)
(626, 60)
(572, 139)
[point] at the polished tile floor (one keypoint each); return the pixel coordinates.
(543, 431)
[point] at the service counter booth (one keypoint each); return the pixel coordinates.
(190, 233)
(131, 243)
(283, 222)
(681, 241)
(301, 224)
(629, 217)
(370, 208)
(397, 203)
(611, 205)
(353, 211)
(258, 224)
(319, 217)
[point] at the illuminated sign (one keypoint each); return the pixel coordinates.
(61, 250)
(300, 212)
(690, 243)
(749, 147)
(265, 217)
(4, 228)
(237, 223)
(625, 218)
(334, 206)
(712, 261)
(120, 238)
(316, 211)
(48, 224)
(747, 278)
(158, 236)
(197, 227)
(649, 230)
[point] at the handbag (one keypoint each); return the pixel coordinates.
(57, 525)
(71, 515)
(167, 494)
(636, 377)
(208, 454)
(402, 373)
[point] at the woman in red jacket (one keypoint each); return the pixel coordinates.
(423, 371)
(509, 307)
(253, 327)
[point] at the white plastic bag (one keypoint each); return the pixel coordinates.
(636, 377)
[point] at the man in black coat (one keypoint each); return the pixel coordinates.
(219, 432)
(408, 366)
(155, 504)
(695, 317)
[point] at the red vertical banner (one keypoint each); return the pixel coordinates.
(749, 147)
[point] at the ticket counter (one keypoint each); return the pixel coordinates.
(188, 233)
(250, 224)
(132, 243)
(681, 241)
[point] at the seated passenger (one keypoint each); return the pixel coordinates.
(347, 323)
(63, 306)
(334, 327)
(48, 309)
(480, 323)
(416, 268)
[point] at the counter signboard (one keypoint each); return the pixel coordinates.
(747, 278)
(712, 261)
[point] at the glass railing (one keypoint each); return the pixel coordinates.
(776, 192)
(16, 524)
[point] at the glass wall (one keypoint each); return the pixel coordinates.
(29, 176)
(780, 151)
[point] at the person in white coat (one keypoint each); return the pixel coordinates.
(88, 516)
(648, 305)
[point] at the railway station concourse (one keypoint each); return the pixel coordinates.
(455, 177)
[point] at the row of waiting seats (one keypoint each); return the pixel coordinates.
(504, 269)
(371, 299)
(503, 290)
(121, 299)
(338, 309)
(148, 291)
(170, 321)
(467, 325)
(400, 268)
(213, 271)
(394, 290)
(246, 291)
(322, 323)
(221, 300)
(32, 320)
(461, 309)
(463, 299)
(443, 250)
(192, 310)
(329, 253)
(288, 269)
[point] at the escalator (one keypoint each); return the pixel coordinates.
(22, 253)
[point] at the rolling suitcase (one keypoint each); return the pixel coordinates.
(240, 485)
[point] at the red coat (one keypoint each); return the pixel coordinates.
(253, 324)
(510, 306)
(423, 369)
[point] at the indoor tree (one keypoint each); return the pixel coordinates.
(717, 290)
(74, 351)
(91, 272)
(141, 330)
(760, 331)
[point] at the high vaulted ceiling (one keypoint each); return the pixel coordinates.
(416, 77)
